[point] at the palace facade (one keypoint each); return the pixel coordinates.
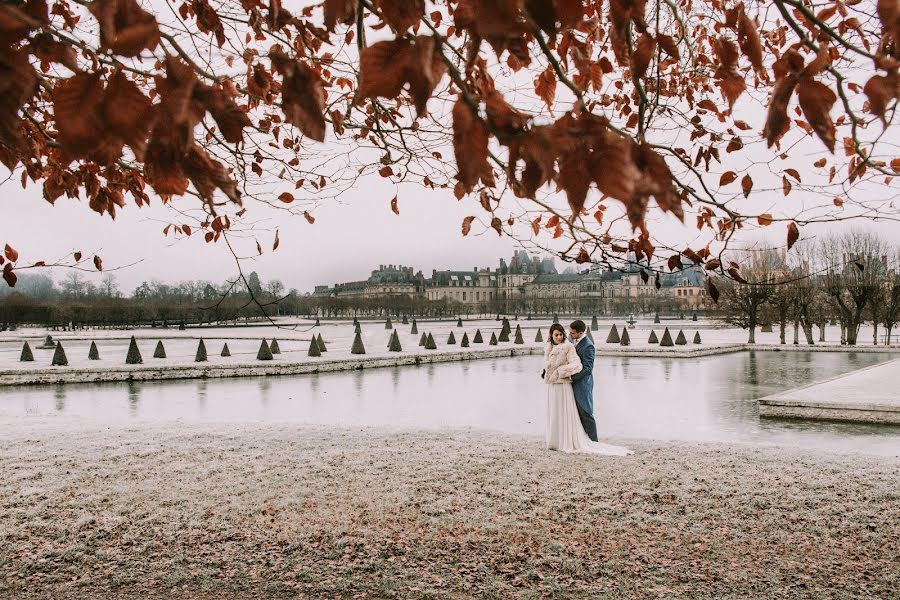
(529, 282)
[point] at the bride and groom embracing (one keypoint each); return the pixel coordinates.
(568, 373)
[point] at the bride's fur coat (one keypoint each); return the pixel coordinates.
(560, 362)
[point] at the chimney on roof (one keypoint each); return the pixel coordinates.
(434, 273)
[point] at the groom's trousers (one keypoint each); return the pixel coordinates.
(588, 422)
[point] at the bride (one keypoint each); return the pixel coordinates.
(564, 430)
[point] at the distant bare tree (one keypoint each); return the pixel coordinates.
(854, 277)
(741, 302)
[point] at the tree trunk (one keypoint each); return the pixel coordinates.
(822, 332)
(874, 332)
(796, 332)
(782, 326)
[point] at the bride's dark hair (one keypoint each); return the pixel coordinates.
(556, 327)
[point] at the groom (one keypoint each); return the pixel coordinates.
(583, 382)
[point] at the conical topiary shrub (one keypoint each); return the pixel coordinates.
(518, 339)
(394, 346)
(465, 341)
(134, 354)
(539, 337)
(653, 339)
(201, 352)
(317, 323)
(274, 347)
(225, 351)
(93, 353)
(594, 325)
(656, 318)
(181, 326)
(613, 337)
(59, 356)
(429, 343)
(589, 334)
(451, 339)
(697, 337)
(493, 341)
(694, 316)
(388, 324)
(666, 338)
(504, 336)
(556, 319)
(160, 351)
(314, 348)
(415, 328)
(477, 339)
(423, 339)
(358, 347)
(405, 320)
(680, 340)
(625, 339)
(321, 343)
(459, 322)
(26, 355)
(357, 329)
(264, 353)
(505, 327)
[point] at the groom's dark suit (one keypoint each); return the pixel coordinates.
(583, 386)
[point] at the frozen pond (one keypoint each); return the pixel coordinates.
(704, 399)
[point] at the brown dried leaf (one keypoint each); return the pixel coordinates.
(470, 145)
(746, 185)
(816, 100)
(793, 234)
(727, 177)
(125, 28)
(98, 263)
(302, 95)
(400, 15)
(467, 225)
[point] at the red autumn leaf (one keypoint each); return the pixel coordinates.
(385, 67)
(536, 225)
(643, 54)
(286, 197)
(258, 248)
(816, 100)
(552, 222)
(785, 186)
(727, 177)
(9, 276)
(277, 241)
(302, 96)
(186, 229)
(895, 165)
(880, 90)
(674, 263)
(339, 11)
(545, 86)
(712, 290)
(400, 15)
(386, 171)
(467, 225)
(746, 185)
(793, 234)
(838, 202)
(712, 264)
(98, 263)
(583, 257)
(669, 46)
(78, 110)
(77, 256)
(820, 163)
(11, 254)
(125, 28)
(794, 173)
(497, 224)
(575, 179)
(394, 207)
(557, 233)
(764, 219)
(729, 80)
(748, 40)
(309, 218)
(470, 144)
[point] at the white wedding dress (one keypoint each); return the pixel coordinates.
(564, 430)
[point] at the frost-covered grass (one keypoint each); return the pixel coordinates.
(278, 511)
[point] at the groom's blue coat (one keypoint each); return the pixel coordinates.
(583, 382)
(583, 386)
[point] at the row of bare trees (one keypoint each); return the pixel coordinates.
(849, 278)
